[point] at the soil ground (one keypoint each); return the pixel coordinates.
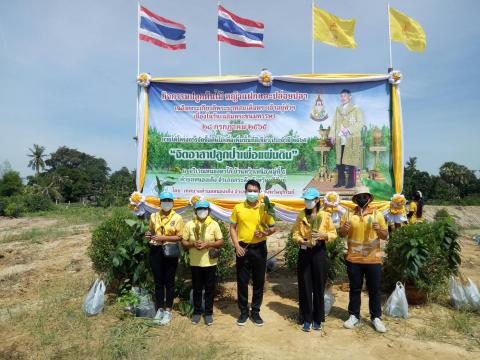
(45, 273)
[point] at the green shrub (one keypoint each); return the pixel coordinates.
(37, 202)
(3, 204)
(130, 258)
(441, 214)
(337, 268)
(226, 261)
(291, 253)
(423, 255)
(14, 209)
(106, 237)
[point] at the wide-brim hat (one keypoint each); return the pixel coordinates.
(362, 190)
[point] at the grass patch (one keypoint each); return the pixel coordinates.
(37, 235)
(77, 214)
(456, 327)
(56, 328)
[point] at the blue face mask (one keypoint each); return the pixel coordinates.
(252, 196)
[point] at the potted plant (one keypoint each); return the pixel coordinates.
(422, 256)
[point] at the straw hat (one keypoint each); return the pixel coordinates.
(362, 190)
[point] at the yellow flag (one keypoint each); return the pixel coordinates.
(406, 30)
(332, 30)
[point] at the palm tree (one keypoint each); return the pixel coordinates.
(37, 156)
(412, 163)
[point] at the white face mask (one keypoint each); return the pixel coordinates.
(310, 204)
(202, 214)
(166, 206)
(252, 196)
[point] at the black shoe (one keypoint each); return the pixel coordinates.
(257, 320)
(242, 320)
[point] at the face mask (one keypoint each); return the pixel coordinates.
(202, 214)
(166, 206)
(362, 202)
(310, 204)
(252, 196)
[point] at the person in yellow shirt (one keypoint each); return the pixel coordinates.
(203, 238)
(165, 232)
(415, 213)
(249, 228)
(312, 229)
(364, 228)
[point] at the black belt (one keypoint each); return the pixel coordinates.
(252, 246)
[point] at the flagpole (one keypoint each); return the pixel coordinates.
(390, 38)
(138, 38)
(138, 68)
(219, 47)
(313, 40)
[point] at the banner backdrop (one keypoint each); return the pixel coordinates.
(210, 137)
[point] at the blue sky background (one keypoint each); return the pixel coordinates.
(68, 68)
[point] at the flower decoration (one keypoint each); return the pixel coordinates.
(144, 79)
(395, 77)
(265, 78)
(194, 198)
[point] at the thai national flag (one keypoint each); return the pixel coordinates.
(160, 31)
(238, 31)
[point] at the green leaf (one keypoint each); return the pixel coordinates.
(159, 185)
(269, 184)
(131, 222)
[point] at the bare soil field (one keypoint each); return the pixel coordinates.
(45, 273)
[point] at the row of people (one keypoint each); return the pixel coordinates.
(363, 227)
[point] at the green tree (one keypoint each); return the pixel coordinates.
(37, 155)
(459, 176)
(84, 175)
(11, 184)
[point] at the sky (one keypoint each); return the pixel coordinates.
(68, 68)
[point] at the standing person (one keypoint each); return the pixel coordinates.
(312, 228)
(203, 237)
(415, 213)
(165, 232)
(249, 228)
(347, 137)
(364, 229)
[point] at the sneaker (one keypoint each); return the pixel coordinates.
(317, 326)
(242, 320)
(378, 325)
(257, 320)
(351, 322)
(196, 319)
(208, 320)
(307, 326)
(158, 316)
(167, 318)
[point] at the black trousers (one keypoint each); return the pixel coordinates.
(372, 273)
(312, 277)
(253, 263)
(203, 278)
(164, 269)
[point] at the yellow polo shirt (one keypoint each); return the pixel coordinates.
(212, 234)
(302, 228)
(169, 225)
(414, 219)
(363, 242)
(250, 218)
